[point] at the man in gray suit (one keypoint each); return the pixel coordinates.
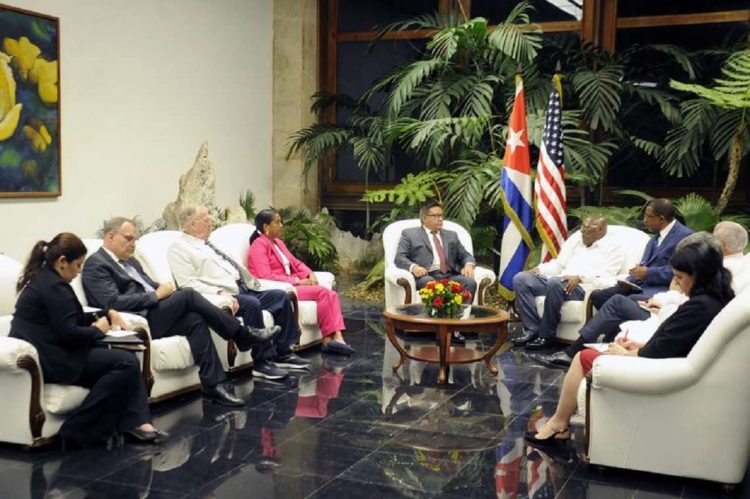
(431, 253)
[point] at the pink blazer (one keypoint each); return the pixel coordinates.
(264, 262)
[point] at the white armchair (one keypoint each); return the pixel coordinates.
(686, 416)
(233, 239)
(574, 314)
(400, 286)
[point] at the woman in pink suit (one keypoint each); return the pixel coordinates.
(269, 258)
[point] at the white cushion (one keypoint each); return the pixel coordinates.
(172, 352)
(9, 272)
(152, 253)
(234, 240)
(308, 313)
(61, 399)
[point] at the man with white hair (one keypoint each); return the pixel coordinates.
(198, 264)
(733, 238)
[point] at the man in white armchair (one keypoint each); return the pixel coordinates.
(198, 264)
(593, 259)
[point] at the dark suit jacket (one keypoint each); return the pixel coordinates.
(656, 258)
(414, 248)
(107, 285)
(680, 332)
(49, 316)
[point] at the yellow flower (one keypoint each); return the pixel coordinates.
(44, 74)
(458, 299)
(439, 288)
(39, 136)
(24, 53)
(33, 68)
(10, 112)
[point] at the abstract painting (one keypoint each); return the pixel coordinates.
(29, 104)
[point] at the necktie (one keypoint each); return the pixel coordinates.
(440, 252)
(241, 281)
(225, 257)
(136, 276)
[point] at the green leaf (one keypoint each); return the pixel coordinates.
(599, 93)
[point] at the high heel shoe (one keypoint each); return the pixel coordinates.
(559, 436)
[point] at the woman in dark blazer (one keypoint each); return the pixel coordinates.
(699, 270)
(49, 316)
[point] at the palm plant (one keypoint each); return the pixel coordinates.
(720, 117)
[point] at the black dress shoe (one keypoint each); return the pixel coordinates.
(161, 436)
(540, 343)
(557, 360)
(219, 395)
(250, 336)
(522, 340)
(141, 436)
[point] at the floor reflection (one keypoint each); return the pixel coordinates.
(350, 427)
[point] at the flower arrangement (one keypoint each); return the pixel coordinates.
(443, 298)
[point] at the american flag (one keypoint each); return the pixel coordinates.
(549, 188)
(515, 195)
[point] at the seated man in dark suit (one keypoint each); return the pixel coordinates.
(432, 253)
(113, 279)
(653, 274)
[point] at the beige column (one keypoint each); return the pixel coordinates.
(295, 79)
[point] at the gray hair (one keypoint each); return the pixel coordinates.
(114, 224)
(699, 237)
(732, 234)
(188, 213)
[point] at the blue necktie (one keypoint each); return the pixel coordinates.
(136, 276)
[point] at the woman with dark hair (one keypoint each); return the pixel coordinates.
(49, 316)
(269, 258)
(699, 271)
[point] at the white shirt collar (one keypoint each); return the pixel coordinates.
(114, 257)
(663, 233)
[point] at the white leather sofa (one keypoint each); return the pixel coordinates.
(233, 239)
(685, 417)
(574, 314)
(33, 410)
(400, 285)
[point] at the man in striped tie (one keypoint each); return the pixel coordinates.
(432, 253)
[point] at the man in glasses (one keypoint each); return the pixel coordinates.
(113, 279)
(431, 252)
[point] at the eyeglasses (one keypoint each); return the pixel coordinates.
(129, 239)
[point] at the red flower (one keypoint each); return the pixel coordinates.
(456, 288)
(444, 282)
(467, 296)
(437, 302)
(430, 285)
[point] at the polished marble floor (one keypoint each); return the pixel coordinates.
(350, 428)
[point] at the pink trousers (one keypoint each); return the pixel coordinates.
(330, 319)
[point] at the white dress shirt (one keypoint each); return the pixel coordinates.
(596, 264)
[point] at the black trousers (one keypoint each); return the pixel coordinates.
(277, 303)
(600, 296)
(186, 312)
(117, 399)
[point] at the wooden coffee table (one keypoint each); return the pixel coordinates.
(412, 318)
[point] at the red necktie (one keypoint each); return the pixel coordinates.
(440, 252)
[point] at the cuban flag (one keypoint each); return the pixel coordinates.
(515, 196)
(549, 188)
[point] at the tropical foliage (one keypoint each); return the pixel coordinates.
(719, 117)
(308, 237)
